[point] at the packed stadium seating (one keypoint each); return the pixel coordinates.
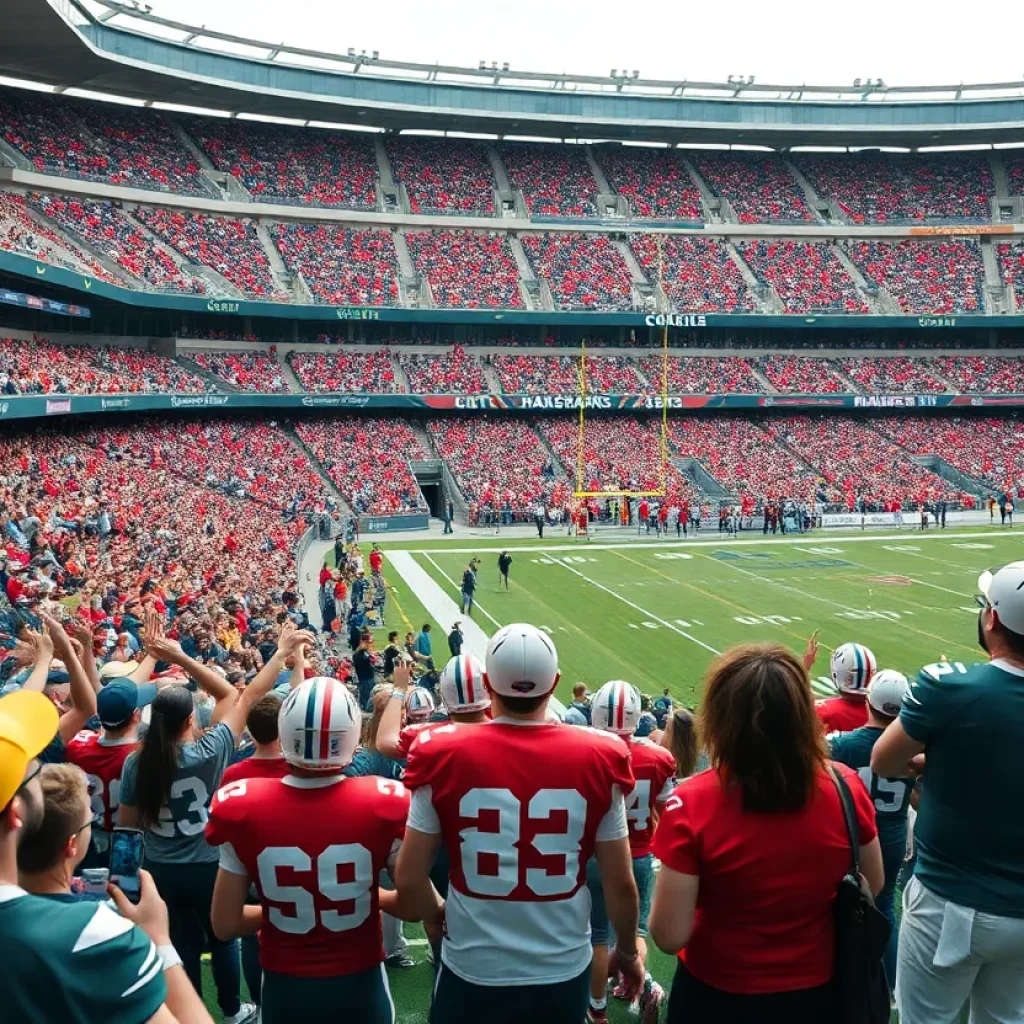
(655, 182)
(495, 461)
(229, 246)
(701, 375)
(467, 270)
(759, 186)
(880, 188)
(1014, 165)
(857, 461)
(980, 374)
(368, 461)
(342, 266)
(345, 371)
(543, 375)
(1011, 263)
(247, 371)
(106, 228)
(892, 373)
(40, 367)
(584, 271)
(801, 375)
(743, 458)
(98, 141)
(946, 276)
(278, 163)
(444, 373)
(698, 274)
(21, 233)
(807, 276)
(443, 175)
(556, 181)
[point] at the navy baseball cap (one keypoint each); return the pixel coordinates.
(117, 701)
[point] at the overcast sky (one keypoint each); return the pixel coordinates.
(904, 42)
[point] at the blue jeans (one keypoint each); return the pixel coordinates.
(892, 862)
(601, 933)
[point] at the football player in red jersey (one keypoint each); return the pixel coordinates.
(314, 844)
(853, 665)
(616, 709)
(413, 705)
(267, 762)
(521, 805)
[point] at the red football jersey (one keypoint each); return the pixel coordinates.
(654, 769)
(519, 807)
(255, 768)
(314, 849)
(841, 715)
(410, 732)
(102, 761)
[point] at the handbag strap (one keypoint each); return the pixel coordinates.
(849, 816)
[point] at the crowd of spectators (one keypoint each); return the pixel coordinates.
(1011, 263)
(878, 188)
(980, 374)
(106, 142)
(21, 233)
(556, 181)
(368, 461)
(104, 226)
(800, 375)
(342, 266)
(467, 270)
(759, 186)
(246, 371)
(701, 375)
(550, 375)
(280, 163)
(227, 245)
(698, 274)
(346, 371)
(584, 271)
(497, 463)
(1014, 165)
(443, 175)
(857, 461)
(450, 373)
(945, 276)
(41, 367)
(893, 374)
(743, 458)
(654, 180)
(807, 276)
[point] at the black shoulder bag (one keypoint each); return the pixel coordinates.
(862, 930)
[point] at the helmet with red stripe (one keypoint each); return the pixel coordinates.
(462, 685)
(319, 725)
(853, 665)
(419, 705)
(616, 708)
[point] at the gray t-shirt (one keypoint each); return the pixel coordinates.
(178, 836)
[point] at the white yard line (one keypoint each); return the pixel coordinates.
(444, 610)
(805, 540)
(476, 604)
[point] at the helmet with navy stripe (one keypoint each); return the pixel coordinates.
(853, 665)
(462, 685)
(419, 705)
(616, 708)
(319, 725)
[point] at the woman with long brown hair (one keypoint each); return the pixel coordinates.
(680, 740)
(753, 851)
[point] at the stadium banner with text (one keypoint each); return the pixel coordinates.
(45, 273)
(392, 524)
(858, 519)
(9, 298)
(30, 406)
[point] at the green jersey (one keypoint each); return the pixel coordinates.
(177, 838)
(75, 962)
(970, 830)
(891, 797)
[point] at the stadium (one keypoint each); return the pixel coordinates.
(714, 363)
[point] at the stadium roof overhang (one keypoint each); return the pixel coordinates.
(65, 44)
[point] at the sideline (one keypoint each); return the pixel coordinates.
(443, 609)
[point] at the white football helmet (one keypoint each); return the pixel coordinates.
(887, 690)
(419, 705)
(853, 665)
(462, 685)
(616, 708)
(319, 725)
(521, 661)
